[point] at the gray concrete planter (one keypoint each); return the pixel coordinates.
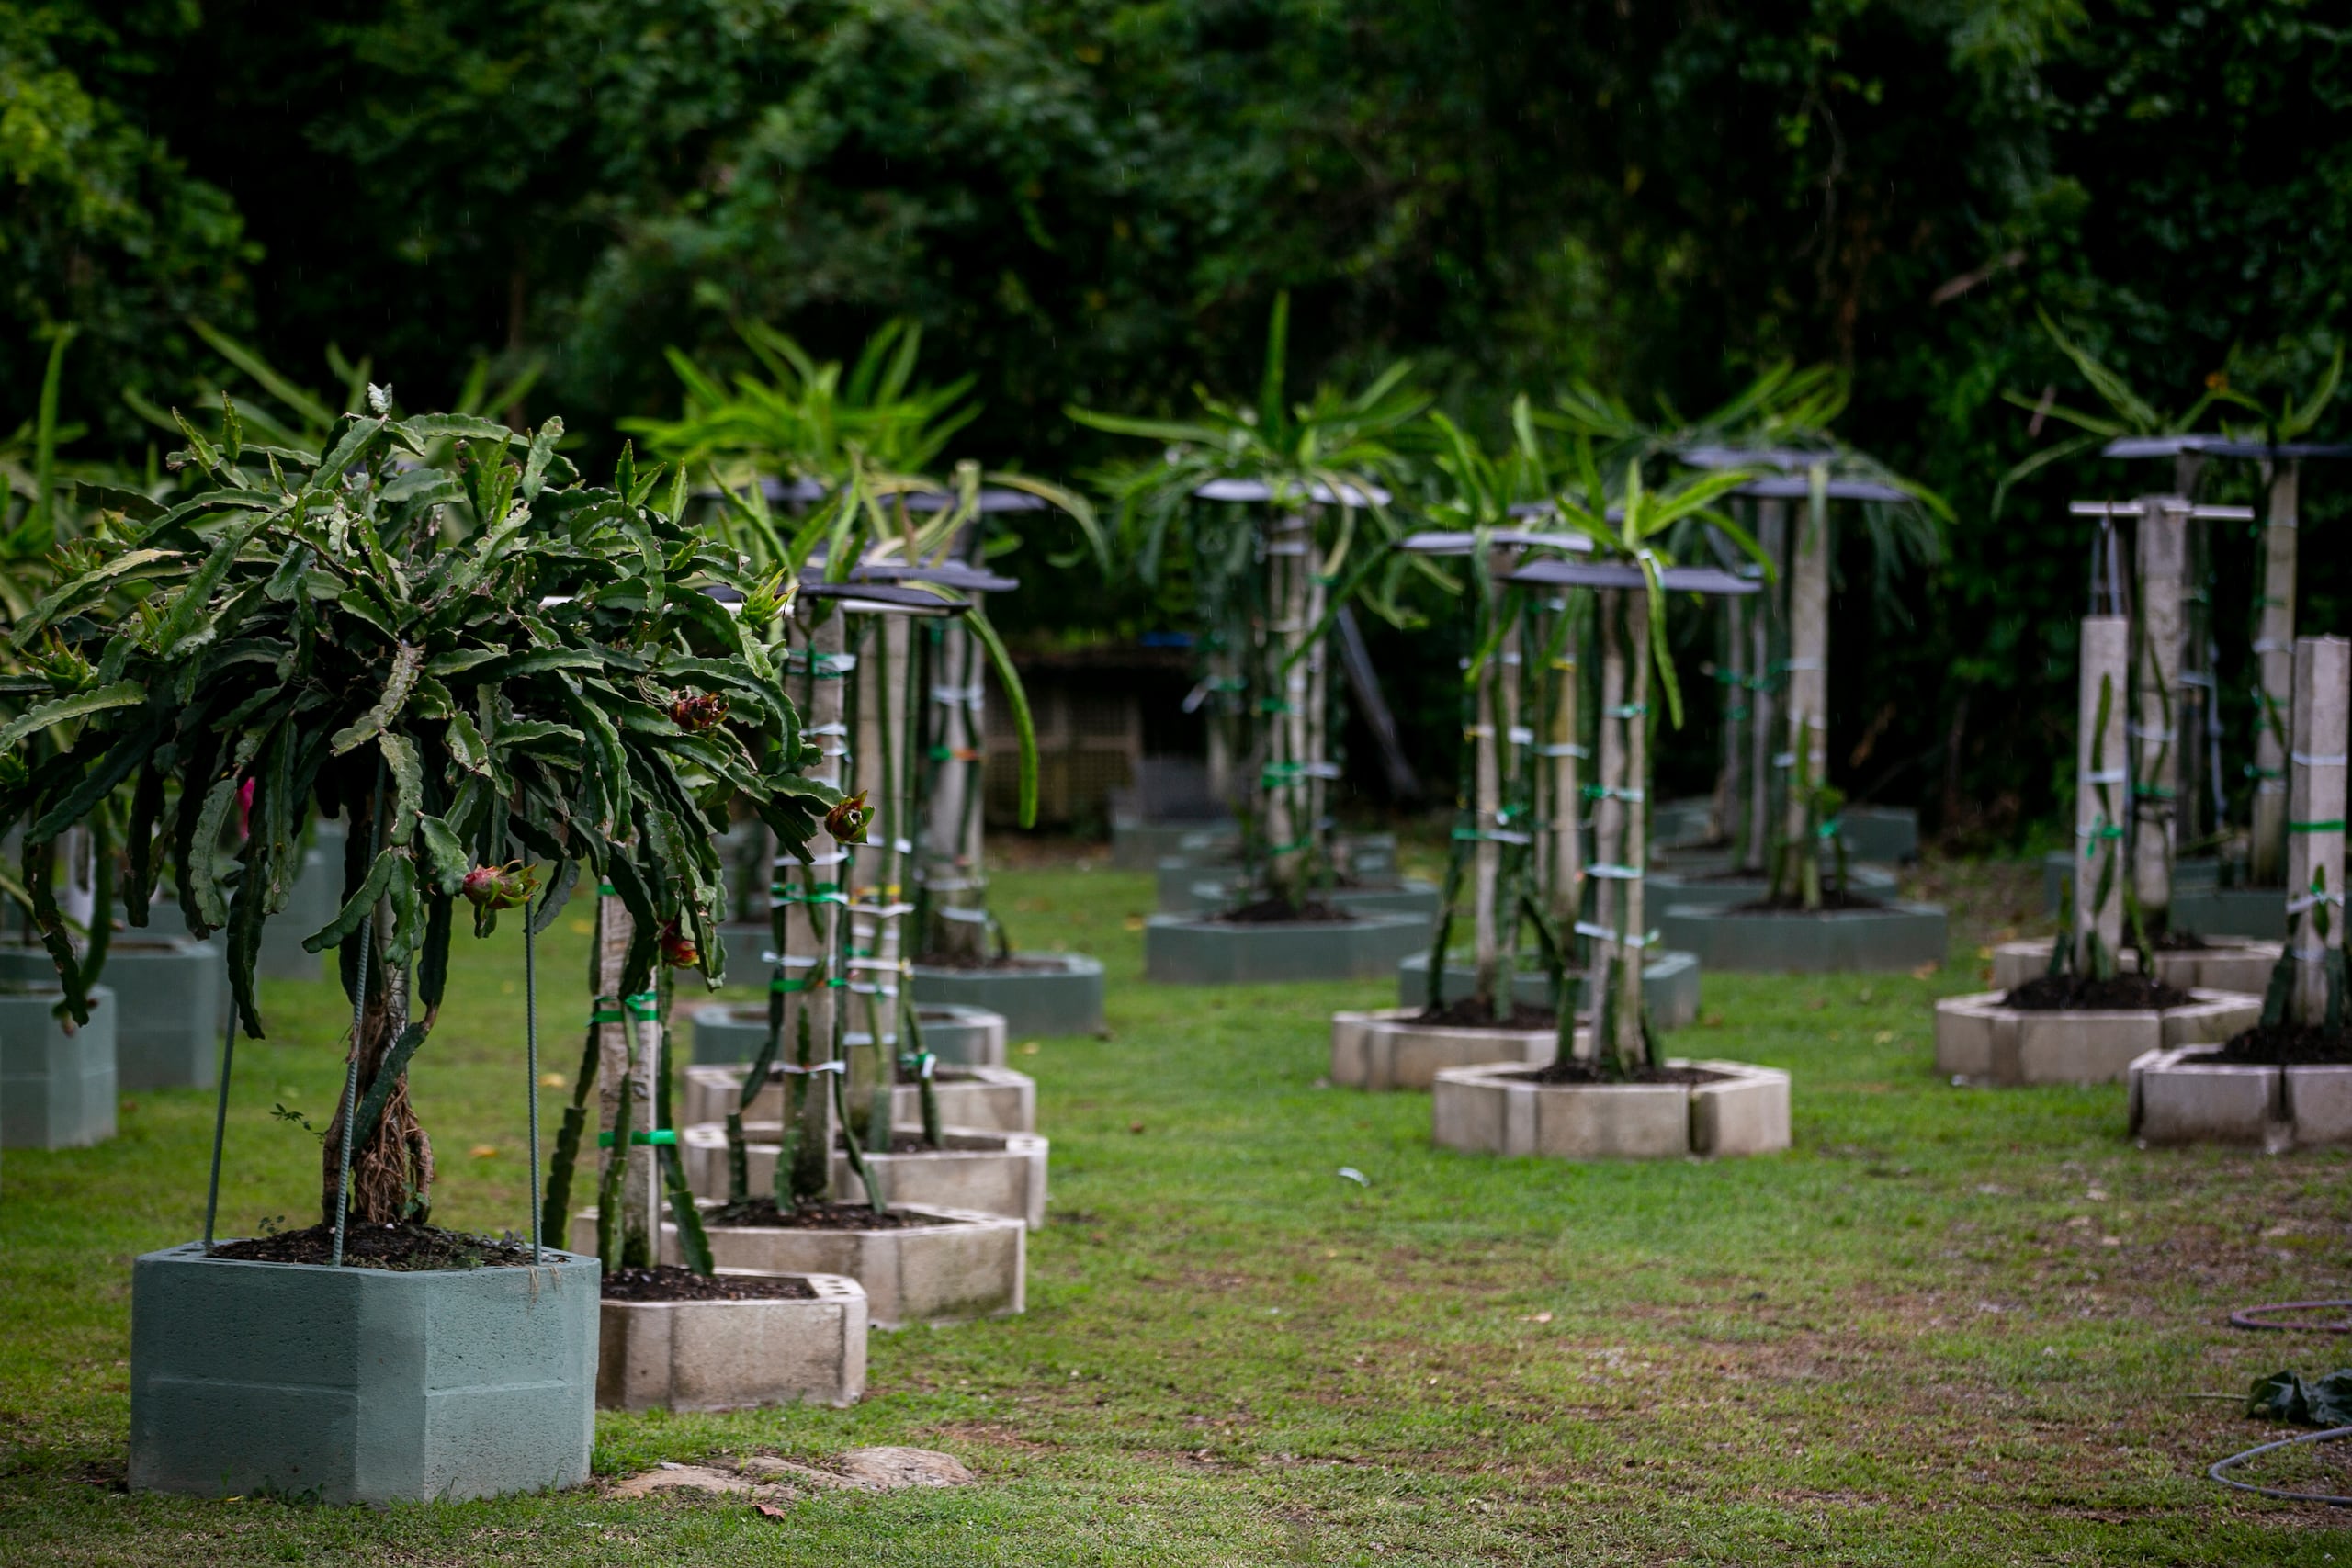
(1189, 950)
(2196, 873)
(1053, 993)
(1388, 1050)
(1663, 889)
(735, 1355)
(1138, 845)
(1669, 985)
(1680, 821)
(983, 1173)
(360, 1385)
(57, 1090)
(170, 999)
(992, 1099)
(1186, 890)
(955, 1267)
(2179, 1096)
(316, 895)
(1499, 1110)
(1979, 1040)
(2257, 912)
(2224, 964)
(1888, 833)
(1891, 937)
(734, 1032)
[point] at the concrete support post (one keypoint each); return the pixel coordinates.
(2274, 649)
(2315, 827)
(2155, 726)
(2102, 792)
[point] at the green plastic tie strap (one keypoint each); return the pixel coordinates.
(659, 1135)
(2335, 827)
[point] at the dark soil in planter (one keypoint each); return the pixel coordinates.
(1579, 1072)
(1727, 873)
(2080, 993)
(2180, 942)
(1832, 900)
(404, 1246)
(1469, 1012)
(762, 1213)
(903, 1142)
(998, 963)
(2287, 1046)
(1281, 912)
(671, 1283)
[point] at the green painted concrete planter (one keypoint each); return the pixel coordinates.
(1189, 950)
(1887, 833)
(1680, 821)
(2258, 912)
(1138, 845)
(56, 1090)
(961, 1036)
(1663, 889)
(1051, 993)
(1669, 983)
(1892, 937)
(360, 1385)
(171, 1003)
(1184, 891)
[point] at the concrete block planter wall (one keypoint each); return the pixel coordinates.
(993, 1099)
(1388, 1050)
(1978, 1039)
(171, 994)
(1887, 833)
(2180, 1096)
(985, 1173)
(1138, 845)
(1185, 889)
(2225, 964)
(1499, 1110)
(733, 1355)
(954, 1266)
(1050, 993)
(2257, 912)
(1695, 885)
(734, 1032)
(1680, 821)
(1669, 985)
(57, 1090)
(360, 1385)
(1891, 937)
(1194, 951)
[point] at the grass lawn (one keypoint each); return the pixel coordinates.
(1953, 1325)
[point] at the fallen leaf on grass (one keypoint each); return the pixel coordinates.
(1927, 970)
(551, 1080)
(484, 1151)
(1134, 923)
(767, 1510)
(1539, 1317)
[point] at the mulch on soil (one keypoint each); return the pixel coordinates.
(762, 1213)
(2286, 1045)
(671, 1283)
(2081, 993)
(401, 1246)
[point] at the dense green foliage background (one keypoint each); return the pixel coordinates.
(1096, 201)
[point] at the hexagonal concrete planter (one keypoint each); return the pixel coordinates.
(1194, 951)
(1980, 1040)
(984, 1173)
(1669, 985)
(360, 1385)
(57, 1090)
(1892, 936)
(1388, 1049)
(1139, 845)
(1186, 889)
(993, 1099)
(1680, 821)
(2224, 964)
(1501, 1109)
(170, 994)
(734, 1032)
(2190, 873)
(734, 1355)
(1695, 882)
(954, 1266)
(2257, 912)
(1886, 833)
(2180, 1096)
(1049, 993)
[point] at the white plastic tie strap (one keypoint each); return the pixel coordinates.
(2140, 734)
(1612, 872)
(1559, 749)
(1801, 664)
(2272, 645)
(2108, 775)
(2303, 901)
(788, 960)
(826, 729)
(1520, 735)
(1784, 759)
(958, 696)
(1602, 933)
(968, 916)
(2305, 760)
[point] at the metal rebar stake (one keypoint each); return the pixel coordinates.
(221, 1124)
(531, 1053)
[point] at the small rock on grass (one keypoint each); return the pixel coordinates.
(765, 1475)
